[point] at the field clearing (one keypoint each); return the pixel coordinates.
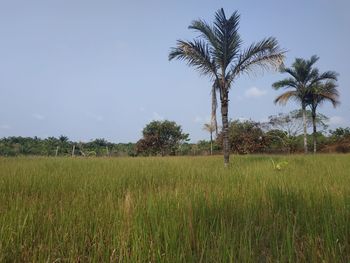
(175, 209)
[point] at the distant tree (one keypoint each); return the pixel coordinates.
(320, 119)
(210, 127)
(64, 147)
(50, 145)
(340, 133)
(218, 54)
(63, 139)
(204, 147)
(100, 146)
(339, 140)
(246, 137)
(285, 127)
(185, 148)
(303, 76)
(319, 94)
(280, 142)
(161, 137)
(100, 142)
(128, 149)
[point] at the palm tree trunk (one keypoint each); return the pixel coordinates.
(224, 115)
(305, 129)
(314, 134)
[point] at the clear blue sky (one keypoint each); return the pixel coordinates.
(99, 69)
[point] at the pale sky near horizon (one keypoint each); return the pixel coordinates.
(99, 69)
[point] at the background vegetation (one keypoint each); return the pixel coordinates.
(281, 134)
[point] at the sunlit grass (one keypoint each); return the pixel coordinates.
(175, 209)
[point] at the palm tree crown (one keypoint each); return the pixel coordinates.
(303, 76)
(323, 92)
(218, 53)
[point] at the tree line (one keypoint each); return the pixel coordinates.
(62, 146)
(281, 134)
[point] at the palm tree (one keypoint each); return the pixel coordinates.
(210, 127)
(320, 93)
(63, 139)
(218, 54)
(303, 76)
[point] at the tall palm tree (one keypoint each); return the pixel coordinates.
(210, 127)
(319, 94)
(218, 54)
(303, 76)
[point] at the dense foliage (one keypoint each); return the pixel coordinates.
(246, 137)
(161, 138)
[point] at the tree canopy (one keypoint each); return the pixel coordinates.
(161, 138)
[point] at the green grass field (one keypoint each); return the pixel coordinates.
(175, 209)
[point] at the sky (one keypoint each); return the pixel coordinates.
(99, 69)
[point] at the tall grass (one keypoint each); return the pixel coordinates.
(175, 209)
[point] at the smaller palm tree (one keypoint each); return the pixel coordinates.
(319, 94)
(210, 127)
(303, 77)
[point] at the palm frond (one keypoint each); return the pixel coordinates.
(312, 60)
(286, 96)
(195, 53)
(329, 97)
(328, 75)
(311, 75)
(324, 92)
(264, 54)
(206, 32)
(229, 41)
(285, 83)
(290, 71)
